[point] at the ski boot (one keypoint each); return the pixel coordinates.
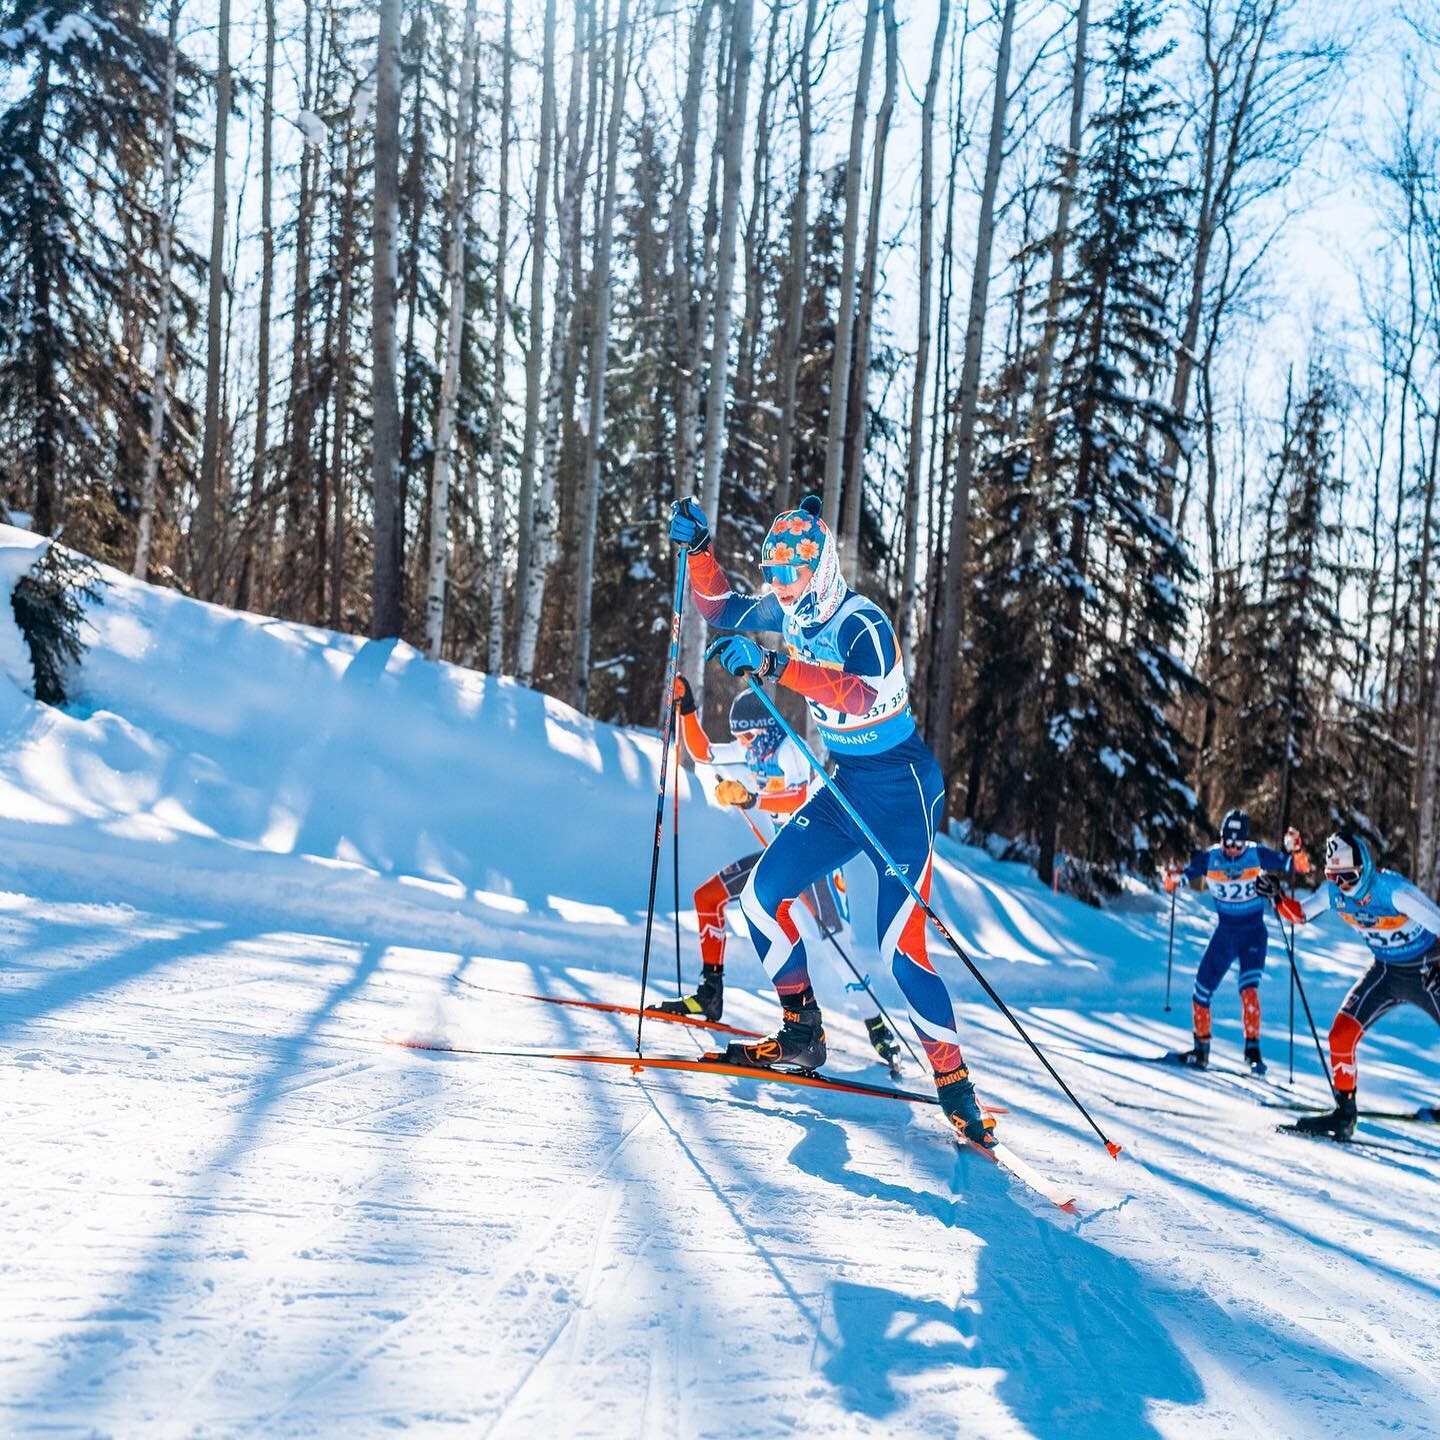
(1336, 1124)
(1253, 1059)
(962, 1109)
(1197, 1058)
(799, 1045)
(707, 1003)
(886, 1046)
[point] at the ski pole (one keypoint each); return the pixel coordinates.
(841, 952)
(668, 710)
(1170, 953)
(1300, 986)
(675, 852)
(934, 919)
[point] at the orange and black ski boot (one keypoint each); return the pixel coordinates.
(799, 1045)
(962, 1108)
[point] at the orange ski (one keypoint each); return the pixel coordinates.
(610, 1009)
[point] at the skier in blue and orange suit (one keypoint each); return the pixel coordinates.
(1401, 925)
(1232, 869)
(841, 654)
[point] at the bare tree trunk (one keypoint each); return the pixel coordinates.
(203, 550)
(915, 456)
(718, 383)
(845, 319)
(854, 470)
(1045, 357)
(1216, 179)
(258, 534)
(341, 387)
(941, 736)
(535, 354)
(589, 497)
(1427, 764)
(160, 390)
(496, 658)
(799, 261)
(567, 224)
(457, 208)
(388, 570)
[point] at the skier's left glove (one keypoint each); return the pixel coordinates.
(732, 792)
(688, 525)
(1430, 977)
(1287, 907)
(1268, 885)
(740, 655)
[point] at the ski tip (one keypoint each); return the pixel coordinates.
(1114, 1149)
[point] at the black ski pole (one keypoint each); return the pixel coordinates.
(668, 710)
(1300, 986)
(675, 852)
(840, 950)
(935, 920)
(1170, 953)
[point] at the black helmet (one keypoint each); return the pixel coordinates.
(749, 712)
(1235, 828)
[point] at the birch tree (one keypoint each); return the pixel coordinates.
(845, 317)
(497, 398)
(160, 389)
(203, 557)
(599, 356)
(953, 584)
(388, 567)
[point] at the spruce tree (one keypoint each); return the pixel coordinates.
(1112, 765)
(78, 133)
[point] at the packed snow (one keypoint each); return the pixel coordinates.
(251, 857)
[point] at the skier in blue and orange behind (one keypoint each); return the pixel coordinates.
(1401, 925)
(841, 654)
(1232, 869)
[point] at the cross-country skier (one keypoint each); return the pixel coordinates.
(762, 768)
(1402, 927)
(1232, 869)
(841, 655)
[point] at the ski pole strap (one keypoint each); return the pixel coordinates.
(934, 919)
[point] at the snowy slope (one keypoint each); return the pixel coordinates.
(253, 853)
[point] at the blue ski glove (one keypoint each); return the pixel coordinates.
(740, 655)
(688, 525)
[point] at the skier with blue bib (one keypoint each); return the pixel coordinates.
(840, 653)
(1233, 870)
(1401, 925)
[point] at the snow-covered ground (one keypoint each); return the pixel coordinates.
(253, 855)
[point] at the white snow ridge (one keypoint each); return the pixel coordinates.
(251, 856)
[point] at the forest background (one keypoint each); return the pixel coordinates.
(1109, 333)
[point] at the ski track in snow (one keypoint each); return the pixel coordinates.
(233, 1208)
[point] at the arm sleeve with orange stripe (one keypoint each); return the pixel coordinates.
(697, 742)
(716, 599)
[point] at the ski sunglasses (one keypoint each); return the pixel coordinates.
(786, 574)
(1343, 878)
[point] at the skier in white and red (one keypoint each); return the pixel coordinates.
(841, 654)
(1401, 925)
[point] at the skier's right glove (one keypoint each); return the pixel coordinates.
(684, 696)
(732, 792)
(741, 656)
(1171, 879)
(688, 525)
